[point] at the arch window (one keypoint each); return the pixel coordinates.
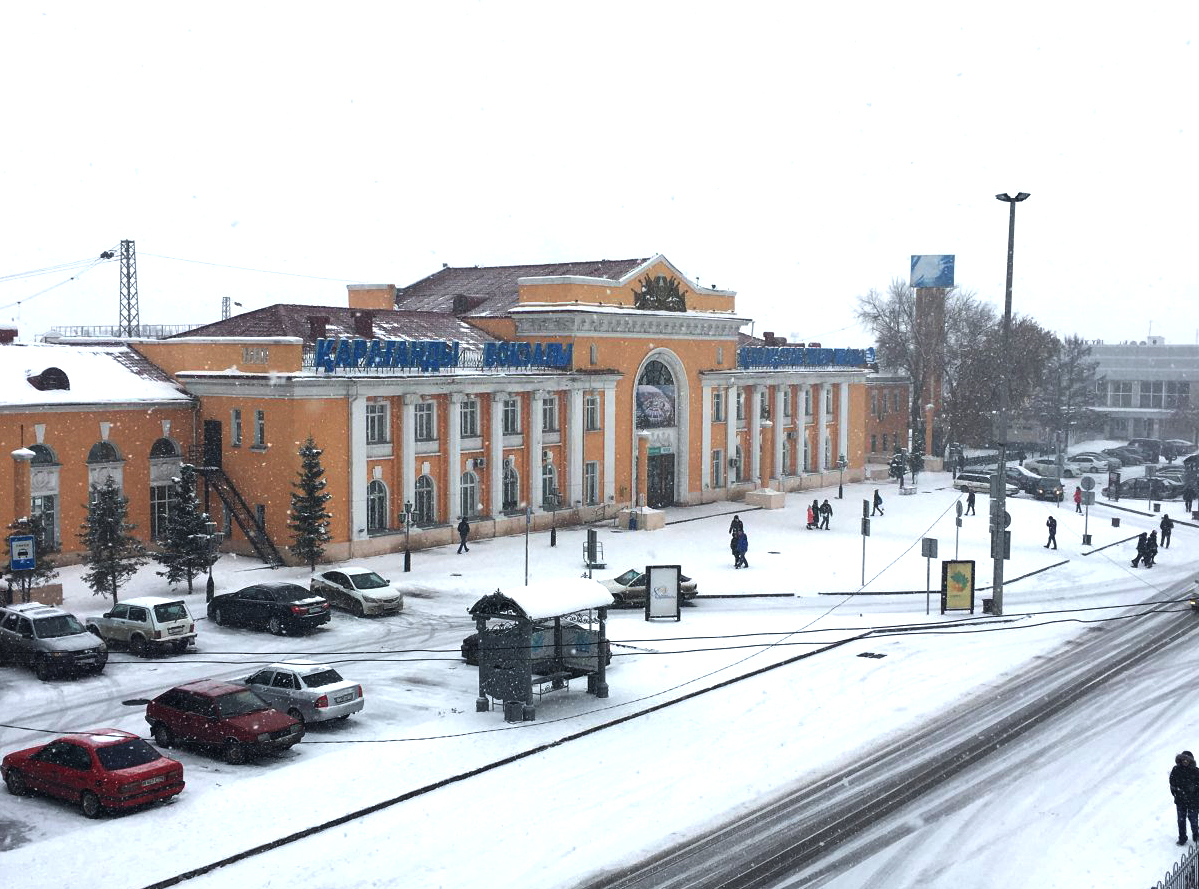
(164, 447)
(424, 509)
(468, 495)
(104, 461)
(43, 503)
(655, 396)
(511, 489)
(549, 487)
(376, 507)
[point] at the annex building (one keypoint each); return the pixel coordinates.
(563, 392)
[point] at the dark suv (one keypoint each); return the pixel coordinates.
(1048, 489)
(275, 606)
(50, 640)
(224, 715)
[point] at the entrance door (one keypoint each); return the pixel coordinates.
(660, 481)
(212, 443)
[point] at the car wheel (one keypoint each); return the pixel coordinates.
(218, 617)
(235, 753)
(275, 626)
(163, 736)
(296, 715)
(137, 646)
(89, 803)
(356, 609)
(41, 667)
(15, 782)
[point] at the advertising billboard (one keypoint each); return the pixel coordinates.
(662, 597)
(655, 406)
(932, 271)
(957, 585)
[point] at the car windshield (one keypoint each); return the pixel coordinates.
(132, 753)
(367, 581)
(239, 703)
(629, 576)
(324, 677)
(170, 611)
(56, 626)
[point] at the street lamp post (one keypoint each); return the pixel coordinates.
(841, 464)
(407, 530)
(212, 540)
(999, 502)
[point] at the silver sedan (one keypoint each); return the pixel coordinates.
(307, 692)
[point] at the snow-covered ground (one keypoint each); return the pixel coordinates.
(1092, 800)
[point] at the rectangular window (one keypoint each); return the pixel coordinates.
(591, 482)
(763, 407)
(260, 429)
(894, 402)
(874, 403)
(874, 444)
(549, 414)
(422, 415)
(740, 405)
(162, 500)
(468, 417)
(377, 427)
(255, 355)
(260, 516)
(1178, 394)
(591, 412)
(718, 406)
(828, 401)
(511, 416)
(1151, 393)
(787, 402)
(718, 468)
(1121, 394)
(885, 443)
(807, 402)
(235, 427)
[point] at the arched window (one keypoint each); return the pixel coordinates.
(549, 487)
(43, 456)
(43, 501)
(655, 396)
(104, 462)
(164, 447)
(424, 510)
(511, 489)
(468, 505)
(103, 452)
(376, 507)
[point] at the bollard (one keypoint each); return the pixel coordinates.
(1086, 540)
(1115, 521)
(1157, 507)
(988, 606)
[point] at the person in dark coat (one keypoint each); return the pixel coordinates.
(878, 503)
(1151, 549)
(826, 513)
(1078, 499)
(1184, 787)
(1167, 530)
(463, 533)
(970, 503)
(736, 526)
(741, 547)
(1051, 524)
(816, 514)
(1142, 547)
(733, 549)
(1188, 497)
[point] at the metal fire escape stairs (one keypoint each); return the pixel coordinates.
(215, 479)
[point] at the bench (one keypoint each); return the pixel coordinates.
(551, 682)
(911, 489)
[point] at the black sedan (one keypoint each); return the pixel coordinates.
(275, 606)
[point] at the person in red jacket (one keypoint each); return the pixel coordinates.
(1078, 499)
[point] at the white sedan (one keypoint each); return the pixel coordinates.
(1089, 463)
(1048, 466)
(629, 588)
(359, 591)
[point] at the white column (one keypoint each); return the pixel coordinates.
(730, 426)
(610, 445)
(358, 480)
(819, 405)
(408, 457)
(574, 449)
(495, 459)
(454, 457)
(533, 482)
(843, 420)
(755, 433)
(705, 440)
(780, 432)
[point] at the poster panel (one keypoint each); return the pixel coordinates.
(957, 585)
(655, 406)
(932, 271)
(662, 597)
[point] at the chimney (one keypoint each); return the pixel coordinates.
(379, 297)
(364, 324)
(768, 337)
(317, 326)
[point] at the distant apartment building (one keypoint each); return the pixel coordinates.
(1141, 384)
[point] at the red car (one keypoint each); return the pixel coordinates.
(221, 714)
(101, 769)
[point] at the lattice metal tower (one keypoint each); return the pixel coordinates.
(130, 324)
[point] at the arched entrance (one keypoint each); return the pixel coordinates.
(660, 410)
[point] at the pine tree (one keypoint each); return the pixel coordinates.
(21, 583)
(112, 555)
(186, 551)
(898, 465)
(309, 522)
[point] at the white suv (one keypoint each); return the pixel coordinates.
(147, 624)
(980, 482)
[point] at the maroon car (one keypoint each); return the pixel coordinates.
(101, 769)
(223, 715)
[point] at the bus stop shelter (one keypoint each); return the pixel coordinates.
(537, 638)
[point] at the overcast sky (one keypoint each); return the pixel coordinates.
(798, 156)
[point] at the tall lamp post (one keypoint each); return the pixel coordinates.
(407, 529)
(999, 498)
(841, 464)
(212, 540)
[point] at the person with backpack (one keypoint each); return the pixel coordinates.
(740, 547)
(878, 503)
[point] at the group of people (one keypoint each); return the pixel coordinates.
(1146, 550)
(738, 542)
(818, 515)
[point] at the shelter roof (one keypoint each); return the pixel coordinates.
(547, 598)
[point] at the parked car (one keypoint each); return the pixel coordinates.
(574, 636)
(1022, 478)
(276, 606)
(358, 590)
(628, 589)
(50, 640)
(1126, 456)
(1048, 466)
(1048, 488)
(1142, 487)
(221, 715)
(1150, 447)
(146, 625)
(980, 482)
(307, 692)
(1173, 448)
(1089, 463)
(101, 769)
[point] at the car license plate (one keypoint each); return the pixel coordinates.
(343, 699)
(150, 782)
(90, 659)
(315, 609)
(174, 631)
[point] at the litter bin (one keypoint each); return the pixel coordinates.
(988, 606)
(1157, 507)
(1115, 521)
(632, 521)
(514, 711)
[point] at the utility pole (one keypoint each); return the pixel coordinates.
(130, 323)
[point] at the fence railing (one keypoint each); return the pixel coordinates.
(1185, 874)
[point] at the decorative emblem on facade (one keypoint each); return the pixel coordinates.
(660, 295)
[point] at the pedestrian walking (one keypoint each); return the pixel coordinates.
(1188, 497)
(970, 503)
(463, 533)
(811, 519)
(1078, 499)
(742, 547)
(1051, 524)
(1167, 530)
(1142, 547)
(826, 513)
(878, 503)
(1151, 549)
(733, 539)
(736, 526)
(1184, 787)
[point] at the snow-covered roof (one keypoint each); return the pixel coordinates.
(551, 598)
(88, 374)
